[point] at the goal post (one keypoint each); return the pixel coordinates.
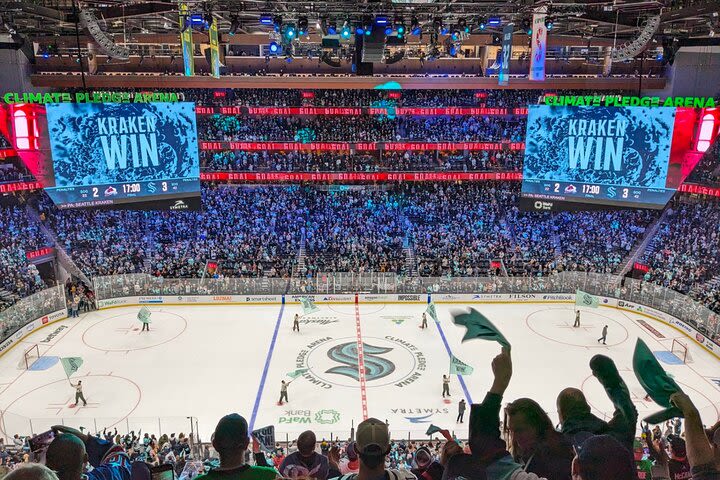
(680, 350)
(31, 355)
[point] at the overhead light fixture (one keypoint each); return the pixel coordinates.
(415, 27)
(274, 48)
(234, 25)
(303, 26)
(494, 21)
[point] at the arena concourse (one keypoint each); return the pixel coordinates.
(358, 241)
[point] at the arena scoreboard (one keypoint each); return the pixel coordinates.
(585, 156)
(143, 155)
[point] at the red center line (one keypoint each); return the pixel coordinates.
(361, 360)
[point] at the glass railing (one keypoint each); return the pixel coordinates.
(29, 309)
(635, 291)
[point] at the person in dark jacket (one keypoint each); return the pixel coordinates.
(489, 457)
(461, 411)
(574, 410)
(535, 443)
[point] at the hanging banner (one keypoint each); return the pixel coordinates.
(214, 51)
(187, 43)
(504, 74)
(539, 45)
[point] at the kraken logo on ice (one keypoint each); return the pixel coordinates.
(388, 361)
(347, 353)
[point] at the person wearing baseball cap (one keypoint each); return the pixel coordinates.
(372, 443)
(602, 457)
(231, 440)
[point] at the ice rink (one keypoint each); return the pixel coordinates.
(207, 361)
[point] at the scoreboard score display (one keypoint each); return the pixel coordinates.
(115, 154)
(581, 156)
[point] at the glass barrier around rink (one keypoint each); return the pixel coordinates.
(636, 291)
(31, 308)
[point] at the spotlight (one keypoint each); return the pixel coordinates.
(444, 30)
(388, 30)
(289, 32)
(359, 30)
(302, 26)
(415, 27)
(527, 26)
(455, 36)
(345, 32)
(494, 21)
(368, 32)
(234, 25)
(549, 23)
(463, 26)
(331, 28)
(274, 47)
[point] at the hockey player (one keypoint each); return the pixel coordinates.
(296, 323)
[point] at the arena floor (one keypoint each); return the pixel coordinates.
(207, 361)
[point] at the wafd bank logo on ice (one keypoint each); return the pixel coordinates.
(602, 145)
(112, 142)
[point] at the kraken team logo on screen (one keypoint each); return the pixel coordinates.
(376, 367)
(334, 362)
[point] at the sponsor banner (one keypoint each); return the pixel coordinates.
(262, 298)
(335, 298)
(651, 329)
(186, 41)
(376, 298)
(214, 51)
(150, 299)
(504, 73)
(358, 176)
(558, 297)
(355, 111)
(453, 297)
(373, 146)
(539, 45)
(405, 297)
(112, 302)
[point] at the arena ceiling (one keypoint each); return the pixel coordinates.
(585, 19)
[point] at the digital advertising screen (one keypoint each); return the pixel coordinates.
(111, 154)
(604, 155)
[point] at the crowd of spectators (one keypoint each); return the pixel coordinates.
(368, 98)
(393, 161)
(18, 277)
(375, 128)
(593, 241)
(685, 253)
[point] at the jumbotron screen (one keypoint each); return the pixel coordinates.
(110, 154)
(619, 156)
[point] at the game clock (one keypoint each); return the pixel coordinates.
(142, 156)
(592, 156)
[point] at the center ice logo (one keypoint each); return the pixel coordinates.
(347, 353)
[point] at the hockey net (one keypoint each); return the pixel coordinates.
(30, 356)
(680, 350)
